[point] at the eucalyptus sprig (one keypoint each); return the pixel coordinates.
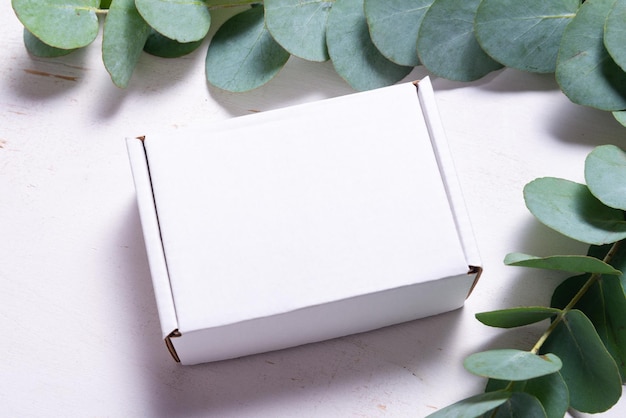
(579, 361)
(371, 43)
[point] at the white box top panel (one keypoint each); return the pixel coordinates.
(302, 206)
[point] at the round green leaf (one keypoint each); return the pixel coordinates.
(604, 303)
(570, 263)
(243, 55)
(589, 370)
(181, 20)
(510, 364)
(572, 210)
(550, 390)
(605, 174)
(520, 404)
(516, 317)
(393, 26)
(620, 116)
(160, 46)
(299, 27)
(39, 49)
(474, 406)
(524, 34)
(353, 54)
(615, 33)
(446, 43)
(584, 68)
(67, 24)
(125, 33)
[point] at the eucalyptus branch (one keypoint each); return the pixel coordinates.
(585, 361)
(590, 282)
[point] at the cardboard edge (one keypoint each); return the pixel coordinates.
(154, 244)
(452, 185)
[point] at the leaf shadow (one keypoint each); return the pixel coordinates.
(45, 78)
(506, 80)
(572, 123)
(299, 81)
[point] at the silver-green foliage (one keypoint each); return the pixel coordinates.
(371, 43)
(579, 361)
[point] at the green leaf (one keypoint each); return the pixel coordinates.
(516, 317)
(181, 20)
(524, 34)
(520, 405)
(299, 27)
(604, 303)
(550, 390)
(67, 24)
(243, 55)
(588, 369)
(39, 49)
(584, 68)
(160, 46)
(572, 210)
(125, 33)
(605, 174)
(615, 33)
(510, 364)
(569, 263)
(353, 54)
(620, 116)
(393, 26)
(474, 406)
(446, 43)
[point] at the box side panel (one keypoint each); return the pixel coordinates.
(322, 322)
(448, 171)
(152, 236)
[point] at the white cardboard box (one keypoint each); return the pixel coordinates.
(303, 224)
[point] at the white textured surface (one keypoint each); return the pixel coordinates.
(77, 311)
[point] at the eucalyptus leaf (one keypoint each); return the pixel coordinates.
(615, 33)
(569, 263)
(510, 364)
(520, 405)
(589, 371)
(39, 49)
(618, 260)
(572, 210)
(605, 174)
(446, 43)
(125, 33)
(355, 58)
(181, 20)
(243, 55)
(620, 116)
(160, 46)
(524, 34)
(393, 26)
(516, 317)
(69, 24)
(299, 27)
(474, 406)
(550, 390)
(604, 304)
(585, 71)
